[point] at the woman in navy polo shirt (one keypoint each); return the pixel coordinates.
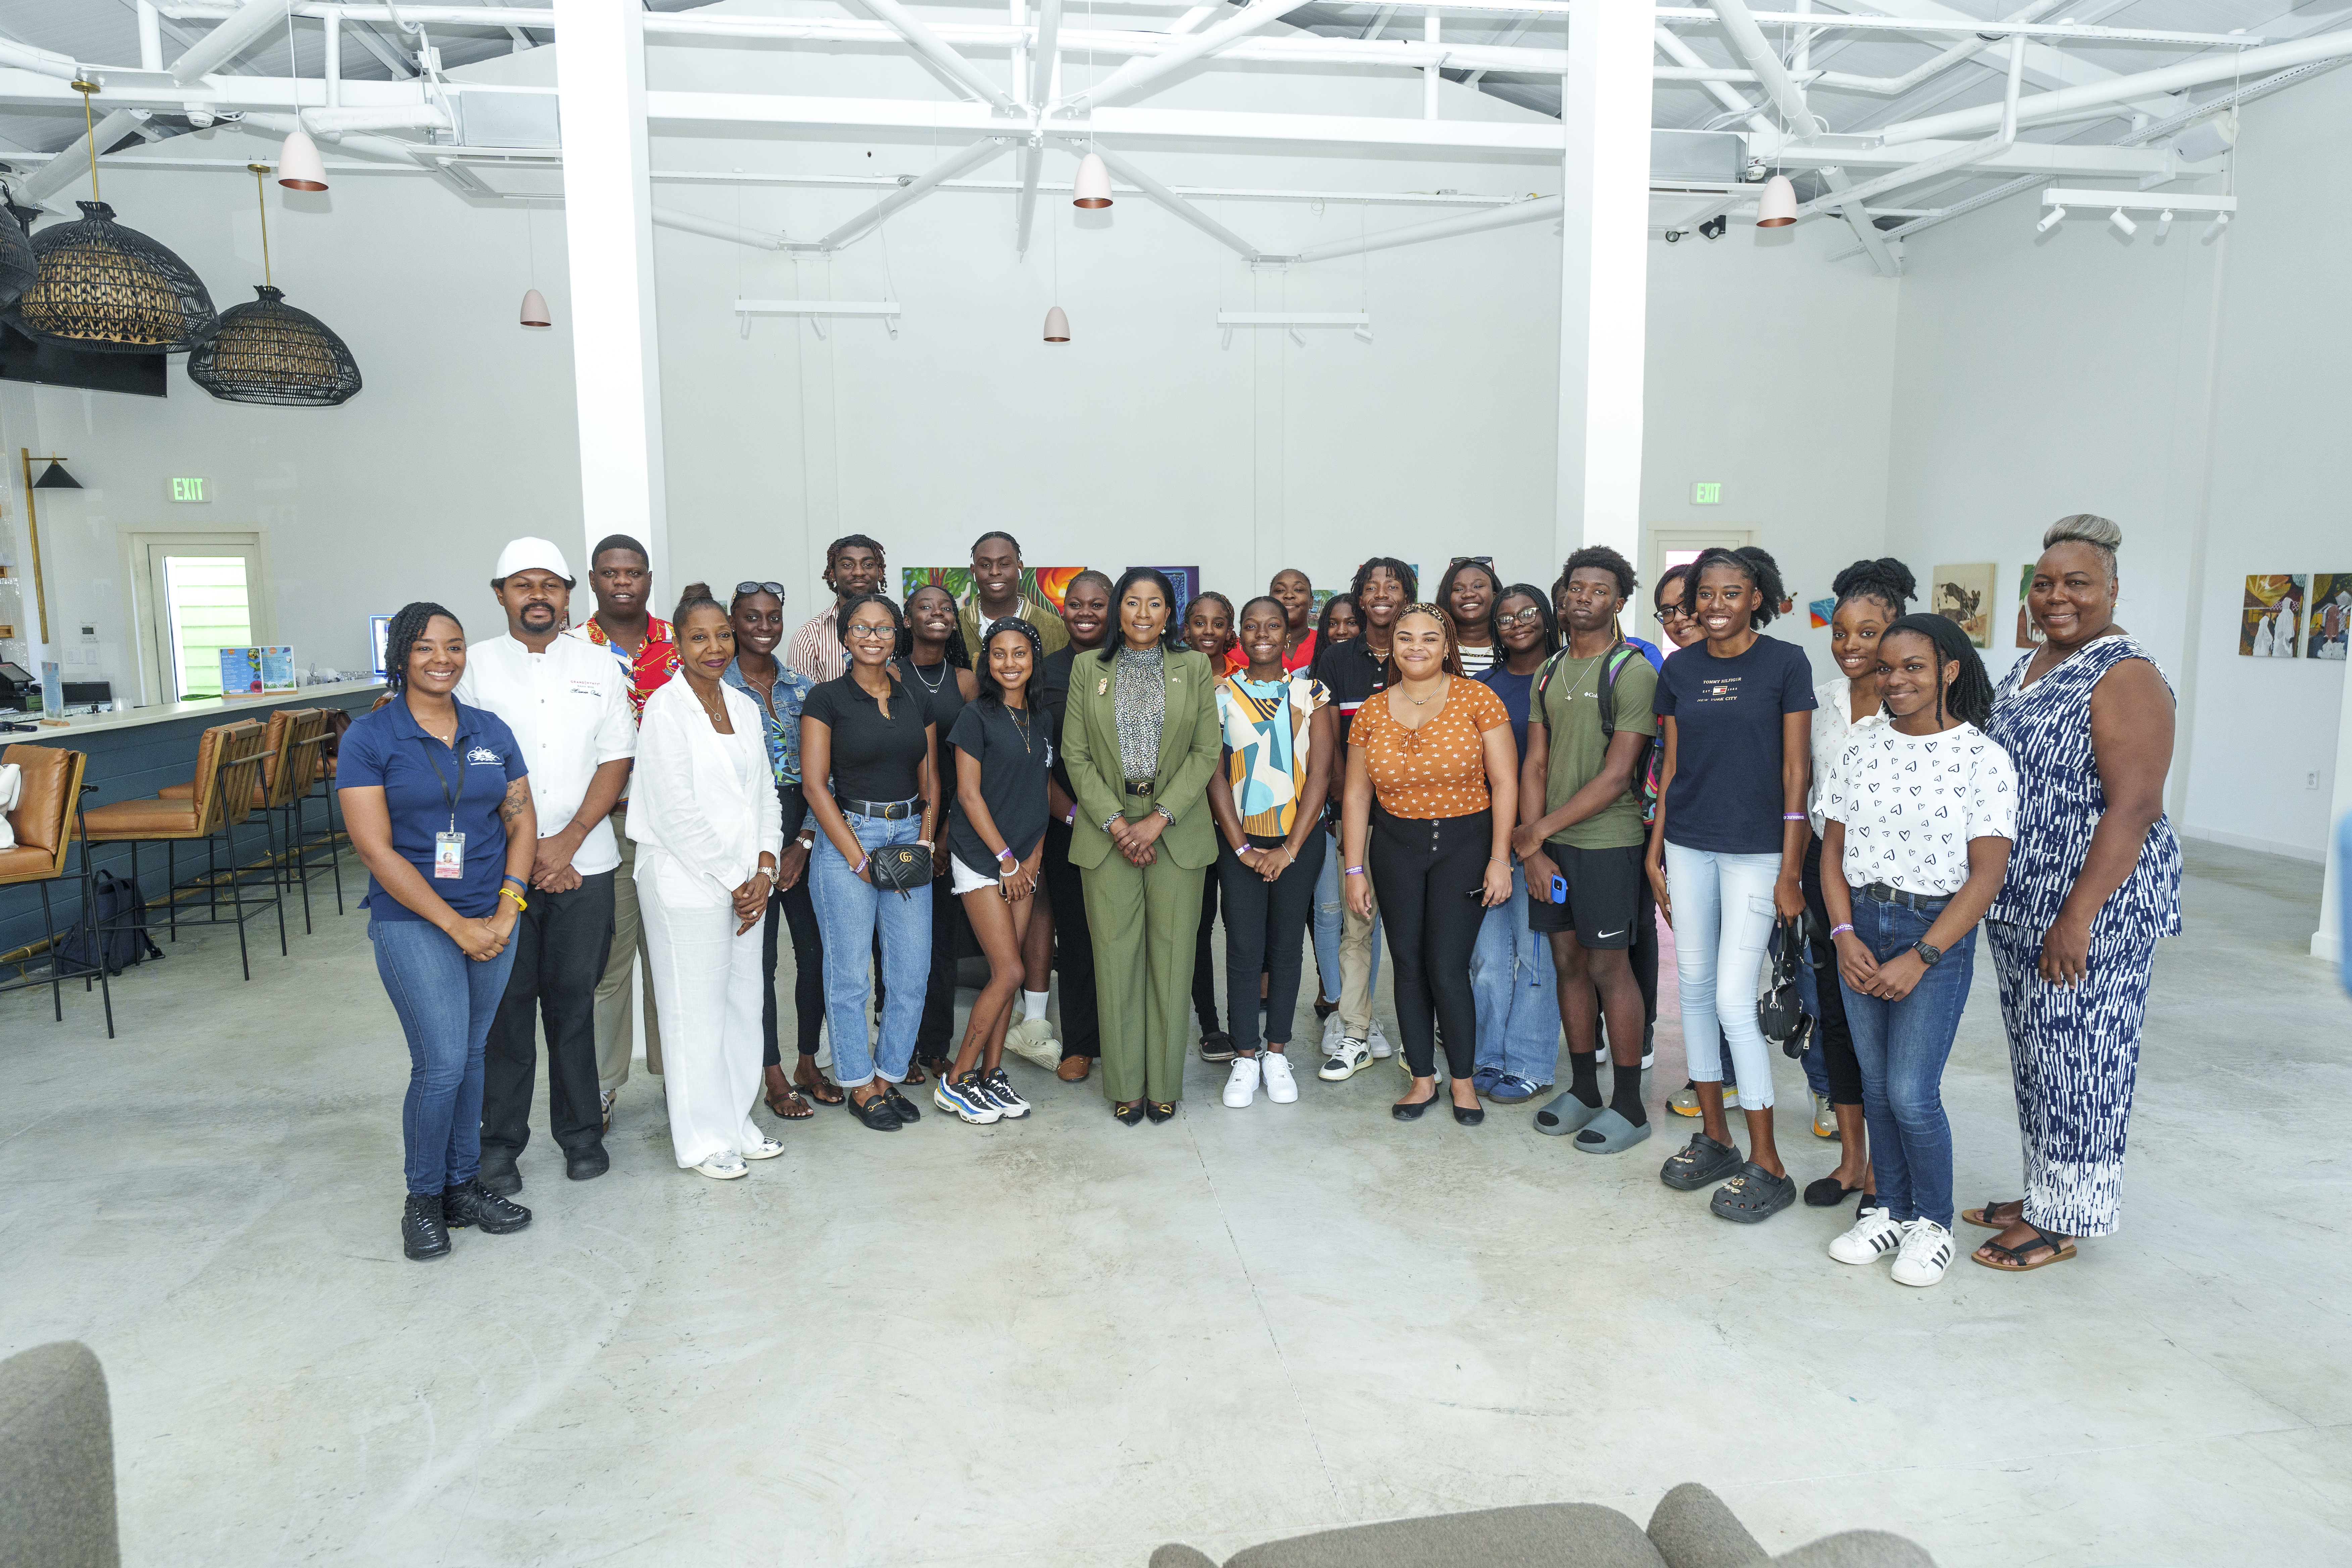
(434, 795)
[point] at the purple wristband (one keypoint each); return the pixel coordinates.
(1353, 871)
(1837, 932)
(1794, 816)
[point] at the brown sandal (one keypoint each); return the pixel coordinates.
(792, 1108)
(1983, 1217)
(822, 1091)
(2059, 1247)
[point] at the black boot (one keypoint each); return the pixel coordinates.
(470, 1203)
(423, 1232)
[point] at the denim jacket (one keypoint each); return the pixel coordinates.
(783, 720)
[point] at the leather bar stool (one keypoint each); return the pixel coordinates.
(43, 823)
(289, 767)
(228, 770)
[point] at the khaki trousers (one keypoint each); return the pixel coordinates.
(1356, 964)
(617, 990)
(1144, 922)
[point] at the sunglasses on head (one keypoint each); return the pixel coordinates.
(1470, 560)
(775, 588)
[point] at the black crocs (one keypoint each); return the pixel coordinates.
(1754, 1195)
(1697, 1162)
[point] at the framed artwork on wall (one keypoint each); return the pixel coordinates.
(2270, 625)
(1964, 594)
(2330, 615)
(2028, 634)
(1047, 583)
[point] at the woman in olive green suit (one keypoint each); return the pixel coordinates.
(1140, 739)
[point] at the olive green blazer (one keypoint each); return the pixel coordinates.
(1189, 743)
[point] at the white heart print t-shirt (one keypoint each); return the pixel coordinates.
(1911, 802)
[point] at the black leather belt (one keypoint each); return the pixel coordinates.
(888, 810)
(1886, 895)
(1143, 788)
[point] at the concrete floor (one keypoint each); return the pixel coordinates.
(1063, 1340)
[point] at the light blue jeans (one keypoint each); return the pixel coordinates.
(1328, 913)
(1518, 991)
(1723, 917)
(848, 912)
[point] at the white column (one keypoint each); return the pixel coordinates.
(2328, 940)
(1603, 282)
(600, 79)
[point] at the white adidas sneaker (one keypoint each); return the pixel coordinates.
(1926, 1253)
(1873, 1237)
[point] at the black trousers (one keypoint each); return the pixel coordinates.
(1073, 947)
(935, 1034)
(797, 912)
(1265, 933)
(1428, 873)
(1838, 1060)
(561, 942)
(1204, 973)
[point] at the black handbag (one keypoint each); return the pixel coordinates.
(1778, 1012)
(902, 867)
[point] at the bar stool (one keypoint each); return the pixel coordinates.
(228, 768)
(43, 823)
(289, 767)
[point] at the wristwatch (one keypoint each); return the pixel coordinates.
(1930, 957)
(1165, 813)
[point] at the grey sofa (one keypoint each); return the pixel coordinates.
(1691, 1528)
(57, 1460)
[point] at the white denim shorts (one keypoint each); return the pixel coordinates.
(964, 879)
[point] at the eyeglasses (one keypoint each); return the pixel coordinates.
(1527, 617)
(1665, 613)
(775, 588)
(872, 633)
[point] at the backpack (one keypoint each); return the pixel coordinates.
(1645, 767)
(122, 914)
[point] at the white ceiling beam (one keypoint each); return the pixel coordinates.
(73, 161)
(688, 223)
(1024, 202)
(913, 191)
(1043, 55)
(235, 33)
(1172, 202)
(2045, 66)
(1140, 73)
(1537, 211)
(1747, 39)
(927, 43)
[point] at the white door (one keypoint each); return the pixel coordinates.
(198, 593)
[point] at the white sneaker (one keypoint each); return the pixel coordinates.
(1240, 1086)
(724, 1166)
(1280, 1087)
(1874, 1235)
(1332, 1028)
(1379, 1042)
(765, 1149)
(1032, 1039)
(1927, 1253)
(1343, 1059)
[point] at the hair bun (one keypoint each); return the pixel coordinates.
(695, 590)
(1885, 578)
(2084, 528)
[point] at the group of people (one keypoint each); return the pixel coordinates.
(1501, 779)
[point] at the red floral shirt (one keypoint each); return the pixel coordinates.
(656, 660)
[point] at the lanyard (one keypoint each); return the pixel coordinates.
(442, 779)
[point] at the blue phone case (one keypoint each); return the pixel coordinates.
(1559, 890)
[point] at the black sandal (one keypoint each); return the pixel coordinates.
(1983, 1215)
(2059, 1248)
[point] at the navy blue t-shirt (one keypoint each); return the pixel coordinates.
(1515, 691)
(1726, 796)
(388, 749)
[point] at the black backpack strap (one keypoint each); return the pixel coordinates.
(1543, 683)
(1617, 657)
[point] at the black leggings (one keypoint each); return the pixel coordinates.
(799, 913)
(1266, 933)
(1838, 1062)
(1204, 970)
(1074, 948)
(1428, 874)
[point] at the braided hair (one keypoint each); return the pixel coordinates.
(1749, 562)
(989, 690)
(1404, 574)
(1886, 579)
(851, 541)
(1233, 618)
(1323, 620)
(1969, 697)
(400, 638)
(1543, 603)
(996, 533)
(957, 655)
(898, 619)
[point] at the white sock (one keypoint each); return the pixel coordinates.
(1032, 1003)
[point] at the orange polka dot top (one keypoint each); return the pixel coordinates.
(1439, 769)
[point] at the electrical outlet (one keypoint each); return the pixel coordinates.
(2311, 779)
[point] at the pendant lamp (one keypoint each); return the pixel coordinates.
(299, 167)
(1092, 188)
(18, 265)
(534, 308)
(269, 352)
(1057, 326)
(1776, 207)
(111, 289)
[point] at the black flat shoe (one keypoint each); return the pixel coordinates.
(471, 1203)
(1412, 1112)
(1160, 1110)
(877, 1113)
(586, 1164)
(1827, 1193)
(1130, 1114)
(901, 1103)
(423, 1232)
(1469, 1115)
(1216, 1046)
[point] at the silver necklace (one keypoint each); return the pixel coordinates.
(933, 686)
(1020, 725)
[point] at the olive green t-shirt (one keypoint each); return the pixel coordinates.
(1572, 704)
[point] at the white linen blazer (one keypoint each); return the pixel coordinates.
(707, 799)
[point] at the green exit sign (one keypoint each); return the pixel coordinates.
(1706, 495)
(188, 489)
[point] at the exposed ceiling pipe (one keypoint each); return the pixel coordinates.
(1174, 203)
(1959, 53)
(1944, 162)
(228, 40)
(1140, 71)
(1024, 205)
(914, 190)
(25, 58)
(924, 42)
(386, 147)
(669, 219)
(402, 117)
(1537, 211)
(1746, 37)
(1041, 59)
(72, 162)
(2197, 72)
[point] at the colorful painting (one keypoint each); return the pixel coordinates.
(1964, 594)
(2028, 634)
(1047, 583)
(2271, 624)
(2331, 614)
(1187, 582)
(1819, 610)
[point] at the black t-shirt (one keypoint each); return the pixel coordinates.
(1725, 796)
(874, 758)
(1050, 693)
(1350, 672)
(1011, 779)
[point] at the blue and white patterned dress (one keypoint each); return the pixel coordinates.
(2074, 1050)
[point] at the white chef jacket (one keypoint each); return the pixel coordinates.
(569, 710)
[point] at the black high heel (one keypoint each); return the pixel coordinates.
(1132, 1114)
(1160, 1110)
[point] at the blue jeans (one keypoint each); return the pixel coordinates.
(1326, 928)
(446, 1002)
(848, 912)
(1518, 994)
(1723, 916)
(1902, 1047)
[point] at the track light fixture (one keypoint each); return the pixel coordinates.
(2051, 220)
(2220, 221)
(1713, 228)
(2123, 224)
(2164, 224)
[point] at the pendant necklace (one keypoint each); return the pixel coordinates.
(933, 686)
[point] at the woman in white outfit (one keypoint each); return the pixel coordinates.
(703, 812)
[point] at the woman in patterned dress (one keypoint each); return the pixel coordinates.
(2093, 880)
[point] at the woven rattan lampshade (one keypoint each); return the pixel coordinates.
(268, 351)
(18, 266)
(108, 289)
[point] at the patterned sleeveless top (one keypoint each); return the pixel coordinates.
(2047, 728)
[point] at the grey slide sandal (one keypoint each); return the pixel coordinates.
(1610, 1133)
(1564, 1114)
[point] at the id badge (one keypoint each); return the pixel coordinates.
(448, 857)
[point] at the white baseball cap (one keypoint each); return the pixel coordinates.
(522, 554)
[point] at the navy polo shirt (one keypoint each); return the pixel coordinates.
(389, 750)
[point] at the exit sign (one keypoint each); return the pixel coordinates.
(188, 489)
(1706, 495)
